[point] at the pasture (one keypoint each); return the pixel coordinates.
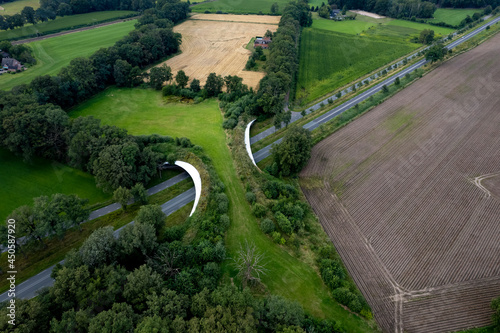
(205, 50)
(452, 16)
(239, 6)
(408, 193)
(11, 8)
(54, 53)
(146, 112)
(64, 23)
(329, 60)
(21, 182)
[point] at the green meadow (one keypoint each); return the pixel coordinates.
(330, 60)
(11, 8)
(63, 23)
(21, 182)
(452, 16)
(239, 6)
(147, 112)
(334, 53)
(54, 53)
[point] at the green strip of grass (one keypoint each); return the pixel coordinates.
(39, 258)
(64, 23)
(452, 16)
(52, 54)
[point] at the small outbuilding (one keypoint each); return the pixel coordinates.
(11, 65)
(262, 42)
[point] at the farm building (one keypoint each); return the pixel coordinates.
(262, 42)
(11, 64)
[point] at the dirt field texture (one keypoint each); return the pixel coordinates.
(210, 46)
(410, 196)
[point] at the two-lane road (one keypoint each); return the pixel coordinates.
(315, 123)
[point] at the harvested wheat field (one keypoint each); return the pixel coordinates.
(210, 46)
(410, 196)
(264, 19)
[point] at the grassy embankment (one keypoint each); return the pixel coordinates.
(64, 23)
(333, 53)
(54, 53)
(145, 112)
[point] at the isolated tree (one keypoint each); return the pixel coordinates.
(139, 193)
(214, 85)
(28, 14)
(436, 53)
(250, 264)
(344, 10)
(121, 73)
(385, 90)
(137, 240)
(250, 63)
(397, 81)
(152, 215)
(274, 8)
(287, 117)
(159, 75)
(195, 85)
(293, 152)
(268, 34)
(122, 195)
(27, 224)
(99, 248)
(182, 79)
(426, 36)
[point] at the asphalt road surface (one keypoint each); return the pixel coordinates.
(315, 123)
(28, 289)
(115, 206)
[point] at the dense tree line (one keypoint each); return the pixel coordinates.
(282, 62)
(110, 153)
(409, 8)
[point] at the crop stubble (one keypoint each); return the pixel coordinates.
(415, 224)
(211, 46)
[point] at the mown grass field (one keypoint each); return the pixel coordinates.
(54, 53)
(239, 6)
(452, 16)
(144, 112)
(329, 60)
(11, 8)
(21, 182)
(63, 23)
(334, 53)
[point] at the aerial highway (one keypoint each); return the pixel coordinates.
(315, 123)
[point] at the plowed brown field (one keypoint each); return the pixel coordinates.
(210, 46)
(409, 194)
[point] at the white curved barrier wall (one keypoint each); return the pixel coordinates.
(195, 175)
(247, 141)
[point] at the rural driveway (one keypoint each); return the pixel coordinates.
(28, 288)
(315, 123)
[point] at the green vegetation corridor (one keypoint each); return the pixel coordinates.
(145, 112)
